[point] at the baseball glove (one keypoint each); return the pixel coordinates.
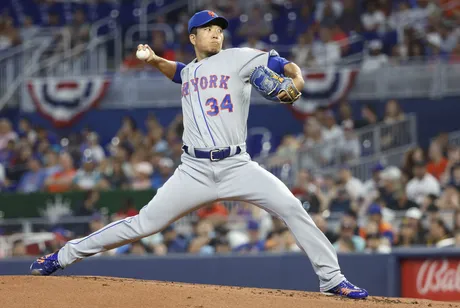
(270, 85)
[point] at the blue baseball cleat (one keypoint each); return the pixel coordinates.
(347, 289)
(45, 265)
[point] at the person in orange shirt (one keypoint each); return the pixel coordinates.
(438, 162)
(61, 181)
(215, 212)
(384, 228)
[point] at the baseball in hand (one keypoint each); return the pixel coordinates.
(143, 54)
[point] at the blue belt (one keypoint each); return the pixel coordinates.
(213, 155)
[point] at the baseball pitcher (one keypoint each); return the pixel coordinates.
(215, 93)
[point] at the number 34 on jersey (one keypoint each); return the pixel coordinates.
(215, 105)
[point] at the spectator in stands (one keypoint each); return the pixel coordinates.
(127, 209)
(422, 184)
(115, 177)
(26, 130)
(203, 234)
(34, 179)
(349, 21)
(215, 212)
(369, 116)
(79, 28)
(371, 186)
(255, 244)
(346, 235)
(87, 177)
(390, 187)
(322, 224)
(455, 179)
(411, 157)
(142, 173)
(438, 162)
(349, 146)
(256, 24)
(20, 163)
(253, 41)
(319, 152)
(376, 59)
(92, 144)
(328, 11)
(352, 185)
(453, 159)
(340, 38)
(393, 112)
(6, 133)
(160, 45)
(325, 51)
(439, 234)
(138, 249)
(341, 201)
(9, 36)
(287, 151)
(304, 23)
(373, 19)
(345, 114)
(412, 230)
(450, 199)
(331, 132)
(383, 228)
(376, 244)
(175, 243)
(61, 181)
(164, 172)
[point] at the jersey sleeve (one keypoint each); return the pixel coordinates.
(247, 59)
(177, 75)
(251, 58)
(277, 63)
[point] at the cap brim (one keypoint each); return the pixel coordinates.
(220, 21)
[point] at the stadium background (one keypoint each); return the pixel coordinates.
(88, 133)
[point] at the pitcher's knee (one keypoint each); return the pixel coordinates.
(292, 207)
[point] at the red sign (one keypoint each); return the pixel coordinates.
(436, 279)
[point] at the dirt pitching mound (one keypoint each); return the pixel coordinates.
(95, 292)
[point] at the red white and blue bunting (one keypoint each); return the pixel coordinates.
(323, 89)
(64, 101)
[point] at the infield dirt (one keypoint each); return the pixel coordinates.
(98, 292)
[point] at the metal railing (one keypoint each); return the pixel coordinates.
(384, 143)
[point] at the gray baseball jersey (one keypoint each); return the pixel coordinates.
(215, 103)
(215, 97)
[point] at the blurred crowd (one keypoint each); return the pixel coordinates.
(312, 33)
(371, 33)
(34, 159)
(330, 139)
(416, 202)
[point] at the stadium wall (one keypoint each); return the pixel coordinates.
(416, 273)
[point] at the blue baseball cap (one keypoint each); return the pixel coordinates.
(374, 209)
(204, 17)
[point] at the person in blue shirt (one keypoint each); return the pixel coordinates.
(34, 179)
(255, 244)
